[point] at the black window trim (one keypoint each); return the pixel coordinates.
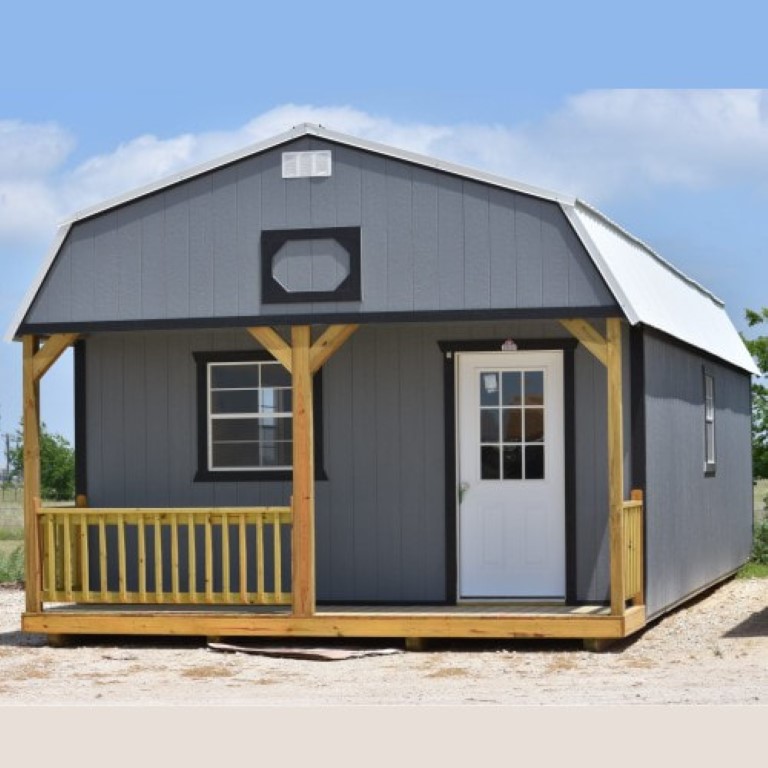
(206, 475)
(272, 240)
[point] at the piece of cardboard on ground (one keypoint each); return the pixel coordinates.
(306, 653)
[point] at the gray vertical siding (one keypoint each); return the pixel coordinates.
(698, 528)
(430, 241)
(381, 514)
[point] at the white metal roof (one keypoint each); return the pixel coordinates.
(648, 289)
(653, 292)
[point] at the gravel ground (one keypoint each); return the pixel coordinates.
(713, 651)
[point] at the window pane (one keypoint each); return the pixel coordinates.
(513, 431)
(235, 401)
(710, 434)
(513, 462)
(234, 376)
(489, 388)
(511, 388)
(534, 462)
(534, 388)
(489, 426)
(275, 400)
(274, 375)
(489, 462)
(234, 429)
(271, 429)
(235, 455)
(534, 425)
(276, 454)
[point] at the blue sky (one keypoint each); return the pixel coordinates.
(643, 112)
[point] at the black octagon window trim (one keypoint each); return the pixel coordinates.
(272, 240)
(206, 475)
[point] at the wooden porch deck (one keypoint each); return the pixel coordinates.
(497, 621)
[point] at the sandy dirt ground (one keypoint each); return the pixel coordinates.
(713, 651)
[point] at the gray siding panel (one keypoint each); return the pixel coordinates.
(698, 528)
(429, 241)
(176, 244)
(426, 268)
(450, 242)
(153, 258)
(477, 247)
(381, 517)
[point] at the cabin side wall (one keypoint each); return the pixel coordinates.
(381, 514)
(698, 526)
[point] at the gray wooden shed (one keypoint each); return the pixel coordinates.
(329, 387)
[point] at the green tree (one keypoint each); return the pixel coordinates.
(57, 464)
(758, 347)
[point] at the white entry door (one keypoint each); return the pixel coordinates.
(511, 472)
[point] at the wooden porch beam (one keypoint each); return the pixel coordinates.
(50, 352)
(589, 337)
(328, 343)
(303, 542)
(271, 340)
(31, 393)
(615, 466)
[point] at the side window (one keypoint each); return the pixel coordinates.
(245, 418)
(709, 424)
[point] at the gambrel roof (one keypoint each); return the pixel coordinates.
(647, 288)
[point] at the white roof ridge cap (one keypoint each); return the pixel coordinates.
(650, 251)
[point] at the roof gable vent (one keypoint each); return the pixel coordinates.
(297, 165)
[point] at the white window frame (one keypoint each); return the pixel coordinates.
(255, 415)
(710, 461)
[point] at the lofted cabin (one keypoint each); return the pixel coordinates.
(325, 387)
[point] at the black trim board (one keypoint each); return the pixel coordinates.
(568, 347)
(272, 241)
(81, 405)
(328, 318)
(203, 474)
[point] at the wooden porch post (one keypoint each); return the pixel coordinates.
(31, 393)
(608, 351)
(37, 361)
(303, 544)
(615, 464)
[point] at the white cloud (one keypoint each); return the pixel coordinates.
(600, 145)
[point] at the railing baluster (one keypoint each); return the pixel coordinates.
(158, 560)
(175, 559)
(50, 560)
(208, 560)
(192, 557)
(260, 558)
(225, 582)
(243, 559)
(278, 555)
(142, 534)
(121, 565)
(85, 575)
(103, 559)
(67, 546)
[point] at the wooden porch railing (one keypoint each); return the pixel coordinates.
(219, 555)
(632, 534)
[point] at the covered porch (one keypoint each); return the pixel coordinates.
(237, 571)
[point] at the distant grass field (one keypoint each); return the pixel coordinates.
(11, 534)
(761, 491)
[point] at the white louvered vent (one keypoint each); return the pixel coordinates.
(297, 165)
